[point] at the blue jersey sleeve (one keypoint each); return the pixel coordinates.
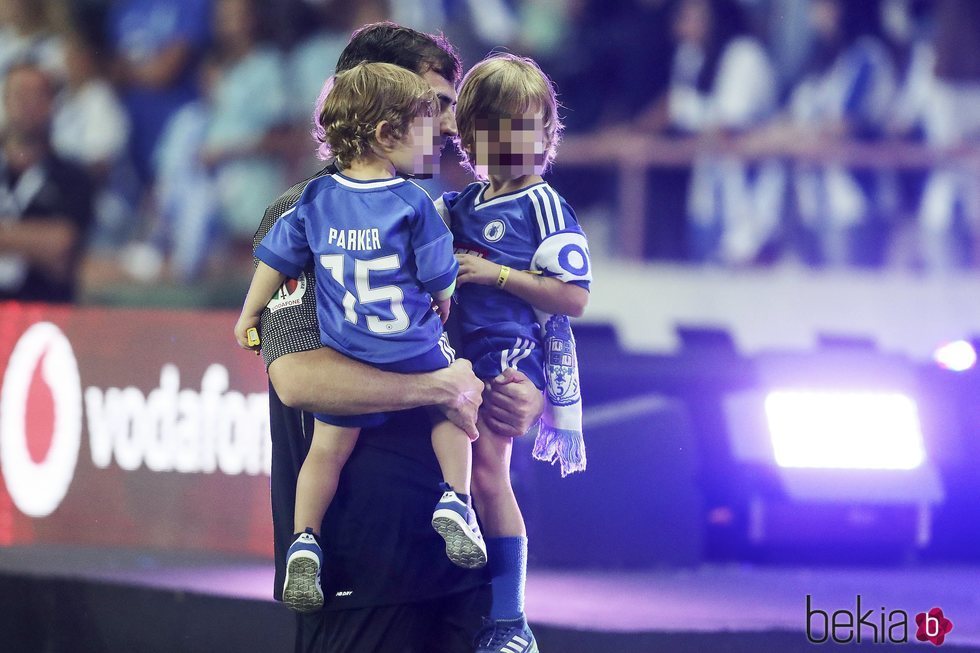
(565, 254)
(432, 243)
(285, 247)
(449, 199)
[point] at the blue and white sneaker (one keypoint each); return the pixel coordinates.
(302, 592)
(456, 523)
(506, 636)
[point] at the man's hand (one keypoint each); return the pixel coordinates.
(512, 404)
(461, 395)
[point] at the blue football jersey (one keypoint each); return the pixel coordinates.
(530, 229)
(381, 249)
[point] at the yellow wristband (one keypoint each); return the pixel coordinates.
(504, 273)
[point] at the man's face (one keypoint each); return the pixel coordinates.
(447, 103)
(28, 100)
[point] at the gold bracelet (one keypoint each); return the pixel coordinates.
(504, 273)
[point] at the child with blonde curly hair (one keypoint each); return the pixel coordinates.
(385, 276)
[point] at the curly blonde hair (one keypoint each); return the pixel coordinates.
(505, 85)
(364, 96)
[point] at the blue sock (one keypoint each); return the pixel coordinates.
(507, 559)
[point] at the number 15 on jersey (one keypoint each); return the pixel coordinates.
(366, 294)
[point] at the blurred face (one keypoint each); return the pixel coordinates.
(693, 22)
(28, 100)
(825, 16)
(233, 20)
(509, 147)
(418, 152)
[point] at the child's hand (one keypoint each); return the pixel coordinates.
(441, 307)
(246, 322)
(473, 269)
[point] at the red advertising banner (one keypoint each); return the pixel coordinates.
(134, 428)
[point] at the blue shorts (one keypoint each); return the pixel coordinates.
(492, 355)
(437, 358)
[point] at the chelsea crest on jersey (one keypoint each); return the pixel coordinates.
(532, 229)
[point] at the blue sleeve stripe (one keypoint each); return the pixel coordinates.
(580, 284)
(432, 258)
(441, 282)
(277, 263)
(559, 213)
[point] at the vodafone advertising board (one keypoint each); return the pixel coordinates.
(131, 428)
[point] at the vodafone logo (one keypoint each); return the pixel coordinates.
(289, 294)
(45, 412)
(42, 368)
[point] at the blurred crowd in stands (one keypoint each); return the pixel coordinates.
(140, 140)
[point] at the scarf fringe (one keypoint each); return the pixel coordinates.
(562, 446)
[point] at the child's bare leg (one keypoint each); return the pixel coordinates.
(317, 483)
(315, 489)
(454, 453)
(499, 512)
(453, 517)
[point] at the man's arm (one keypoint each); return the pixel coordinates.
(325, 381)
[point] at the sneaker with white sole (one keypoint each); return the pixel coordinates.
(506, 636)
(301, 591)
(456, 522)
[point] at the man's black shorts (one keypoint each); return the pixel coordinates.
(447, 624)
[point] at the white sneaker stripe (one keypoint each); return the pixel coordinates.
(521, 640)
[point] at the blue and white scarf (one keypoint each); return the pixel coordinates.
(560, 437)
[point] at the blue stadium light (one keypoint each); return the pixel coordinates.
(844, 430)
(956, 356)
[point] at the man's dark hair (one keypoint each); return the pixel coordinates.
(387, 42)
